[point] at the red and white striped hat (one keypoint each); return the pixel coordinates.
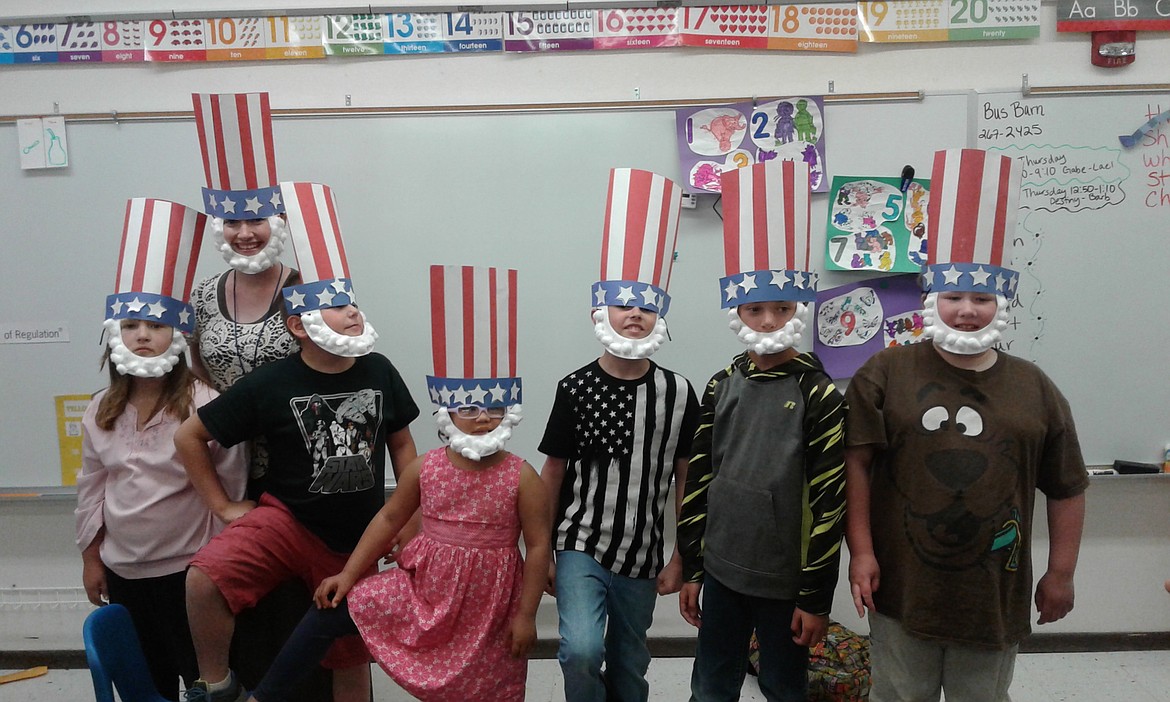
(156, 264)
(637, 245)
(766, 234)
(316, 240)
(974, 200)
(473, 336)
(239, 162)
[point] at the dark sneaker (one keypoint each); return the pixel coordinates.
(198, 692)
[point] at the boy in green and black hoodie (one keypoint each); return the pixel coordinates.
(762, 517)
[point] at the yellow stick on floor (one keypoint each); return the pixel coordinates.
(24, 674)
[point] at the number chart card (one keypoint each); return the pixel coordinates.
(437, 33)
(726, 26)
(355, 35)
(175, 40)
(122, 42)
(874, 226)
(713, 139)
(814, 27)
(855, 321)
(6, 47)
(948, 20)
(561, 30)
(643, 28)
(294, 38)
(79, 42)
(236, 39)
(34, 43)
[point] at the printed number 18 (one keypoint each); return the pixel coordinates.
(791, 21)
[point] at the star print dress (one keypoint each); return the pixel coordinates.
(438, 623)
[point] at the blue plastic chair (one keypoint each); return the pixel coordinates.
(115, 657)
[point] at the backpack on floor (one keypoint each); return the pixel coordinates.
(838, 666)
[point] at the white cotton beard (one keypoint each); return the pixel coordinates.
(324, 336)
(476, 447)
(964, 343)
(127, 362)
(765, 343)
(622, 347)
(260, 261)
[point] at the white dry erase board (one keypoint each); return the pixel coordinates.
(1091, 246)
(525, 190)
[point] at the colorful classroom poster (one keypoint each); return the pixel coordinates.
(122, 42)
(813, 27)
(34, 43)
(231, 39)
(948, 20)
(642, 28)
(355, 35)
(561, 30)
(6, 46)
(726, 26)
(436, 33)
(70, 409)
(874, 226)
(294, 38)
(713, 139)
(79, 42)
(857, 320)
(175, 40)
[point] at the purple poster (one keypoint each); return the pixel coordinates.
(857, 320)
(713, 139)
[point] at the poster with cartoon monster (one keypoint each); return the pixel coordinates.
(855, 321)
(714, 139)
(874, 226)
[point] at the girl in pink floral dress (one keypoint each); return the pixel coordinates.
(457, 617)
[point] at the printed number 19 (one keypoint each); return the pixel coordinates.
(874, 13)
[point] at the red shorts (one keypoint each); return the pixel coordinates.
(262, 549)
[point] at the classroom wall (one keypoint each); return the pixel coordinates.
(1124, 557)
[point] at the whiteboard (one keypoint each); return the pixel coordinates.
(1091, 249)
(519, 190)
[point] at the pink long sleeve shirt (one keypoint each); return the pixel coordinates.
(134, 485)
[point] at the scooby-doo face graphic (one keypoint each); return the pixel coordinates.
(960, 492)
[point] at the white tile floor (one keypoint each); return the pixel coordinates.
(1141, 676)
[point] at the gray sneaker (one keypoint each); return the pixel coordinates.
(199, 692)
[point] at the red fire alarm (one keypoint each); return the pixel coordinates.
(1114, 48)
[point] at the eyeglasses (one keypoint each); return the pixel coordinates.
(473, 412)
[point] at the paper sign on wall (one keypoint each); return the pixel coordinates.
(714, 139)
(70, 409)
(874, 226)
(41, 142)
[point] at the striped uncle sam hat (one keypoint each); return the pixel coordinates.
(637, 245)
(316, 240)
(974, 200)
(239, 162)
(766, 234)
(473, 337)
(156, 264)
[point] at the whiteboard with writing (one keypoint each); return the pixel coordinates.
(1092, 248)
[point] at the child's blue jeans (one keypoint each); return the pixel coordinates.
(587, 596)
(722, 657)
